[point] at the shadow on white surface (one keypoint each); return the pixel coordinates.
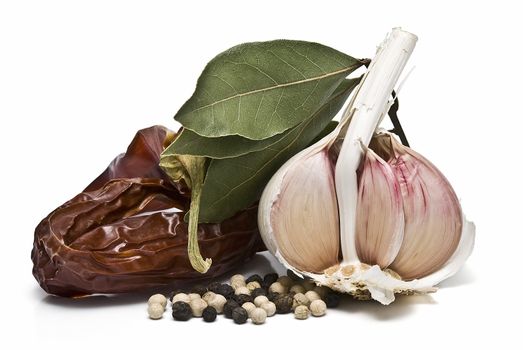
(463, 277)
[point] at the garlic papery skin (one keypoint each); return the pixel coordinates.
(384, 225)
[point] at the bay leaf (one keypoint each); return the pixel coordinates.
(234, 183)
(190, 143)
(261, 89)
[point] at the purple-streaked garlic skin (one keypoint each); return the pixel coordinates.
(305, 219)
(433, 218)
(379, 215)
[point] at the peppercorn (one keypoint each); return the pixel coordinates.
(258, 316)
(312, 295)
(248, 306)
(239, 315)
(270, 278)
(197, 306)
(283, 304)
(209, 314)
(242, 290)
(269, 308)
(254, 278)
(181, 311)
(300, 299)
(277, 287)
(242, 298)
(272, 295)
(253, 285)
(199, 289)
(258, 301)
(194, 296)
(224, 289)
(257, 292)
(308, 285)
(228, 307)
(155, 311)
(174, 292)
(181, 297)
(301, 312)
(208, 296)
(285, 281)
(158, 299)
(213, 287)
(217, 302)
(321, 290)
(293, 276)
(318, 308)
(297, 288)
(332, 299)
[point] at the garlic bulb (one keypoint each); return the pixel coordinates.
(371, 218)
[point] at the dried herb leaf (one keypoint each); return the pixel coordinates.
(234, 183)
(258, 90)
(191, 143)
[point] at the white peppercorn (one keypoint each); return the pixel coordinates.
(238, 284)
(158, 299)
(258, 316)
(301, 312)
(155, 311)
(197, 306)
(193, 296)
(300, 299)
(286, 281)
(248, 306)
(259, 300)
(236, 278)
(208, 296)
(269, 307)
(218, 302)
(253, 285)
(242, 290)
(318, 308)
(312, 295)
(181, 297)
(297, 288)
(277, 287)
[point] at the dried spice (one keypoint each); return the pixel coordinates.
(270, 278)
(199, 289)
(107, 240)
(239, 315)
(209, 314)
(258, 291)
(224, 289)
(243, 298)
(254, 278)
(228, 307)
(283, 304)
(181, 311)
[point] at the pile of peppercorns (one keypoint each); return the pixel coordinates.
(254, 298)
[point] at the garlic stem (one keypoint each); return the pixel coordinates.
(366, 109)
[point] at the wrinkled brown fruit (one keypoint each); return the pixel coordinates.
(121, 234)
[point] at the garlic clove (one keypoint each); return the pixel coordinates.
(433, 219)
(379, 214)
(456, 261)
(304, 217)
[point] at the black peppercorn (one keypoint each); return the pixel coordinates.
(272, 295)
(283, 303)
(257, 292)
(199, 289)
(293, 276)
(239, 315)
(254, 278)
(209, 314)
(270, 278)
(242, 299)
(213, 287)
(332, 299)
(181, 311)
(224, 289)
(228, 307)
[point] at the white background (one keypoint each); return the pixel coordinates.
(78, 79)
